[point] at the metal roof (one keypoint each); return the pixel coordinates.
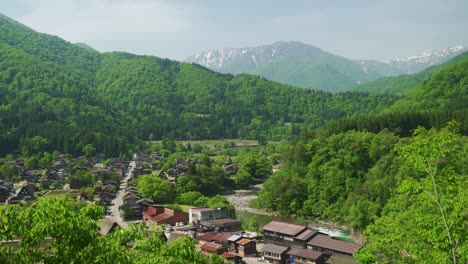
(305, 253)
(284, 227)
(211, 236)
(308, 233)
(234, 238)
(210, 247)
(243, 241)
(276, 249)
(326, 241)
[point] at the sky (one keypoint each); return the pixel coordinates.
(176, 29)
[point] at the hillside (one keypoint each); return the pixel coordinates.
(446, 89)
(401, 85)
(59, 96)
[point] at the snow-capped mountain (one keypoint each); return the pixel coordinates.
(288, 62)
(220, 58)
(304, 65)
(215, 58)
(413, 64)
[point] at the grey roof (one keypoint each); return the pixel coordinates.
(286, 228)
(307, 234)
(144, 200)
(234, 238)
(276, 249)
(305, 253)
(221, 222)
(328, 242)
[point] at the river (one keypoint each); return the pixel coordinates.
(241, 198)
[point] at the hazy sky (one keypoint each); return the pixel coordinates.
(176, 29)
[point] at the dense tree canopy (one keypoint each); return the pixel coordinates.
(425, 221)
(154, 188)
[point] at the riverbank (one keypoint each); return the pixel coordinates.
(241, 199)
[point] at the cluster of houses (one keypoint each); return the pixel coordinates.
(213, 231)
(294, 243)
(106, 192)
(54, 178)
(133, 205)
(180, 168)
(9, 196)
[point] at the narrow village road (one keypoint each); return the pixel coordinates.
(118, 201)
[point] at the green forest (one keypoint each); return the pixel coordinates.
(389, 164)
(71, 96)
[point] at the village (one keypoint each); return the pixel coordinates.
(211, 228)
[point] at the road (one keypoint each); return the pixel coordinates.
(118, 201)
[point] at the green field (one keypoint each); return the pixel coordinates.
(70, 193)
(214, 143)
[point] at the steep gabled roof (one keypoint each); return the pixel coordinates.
(108, 226)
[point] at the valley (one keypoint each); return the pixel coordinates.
(112, 157)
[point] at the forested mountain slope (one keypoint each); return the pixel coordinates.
(47, 100)
(60, 96)
(445, 90)
(441, 97)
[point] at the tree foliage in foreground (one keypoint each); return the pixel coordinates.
(56, 230)
(426, 219)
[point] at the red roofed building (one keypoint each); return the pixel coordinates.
(210, 248)
(218, 237)
(161, 215)
(230, 257)
(247, 247)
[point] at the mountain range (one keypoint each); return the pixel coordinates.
(306, 66)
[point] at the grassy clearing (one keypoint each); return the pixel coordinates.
(213, 143)
(70, 193)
